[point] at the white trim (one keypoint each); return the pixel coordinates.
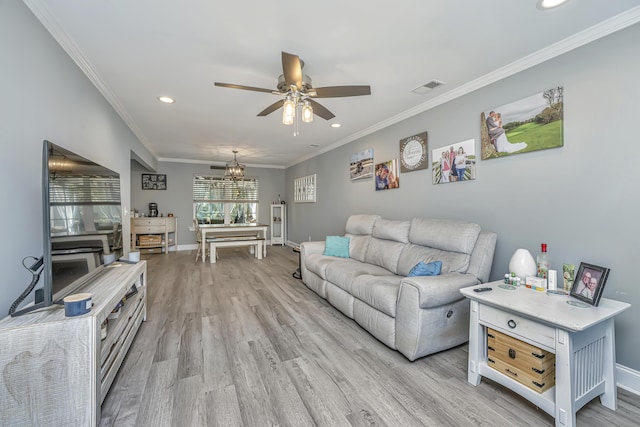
(628, 379)
(216, 163)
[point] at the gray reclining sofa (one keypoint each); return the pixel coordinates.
(415, 315)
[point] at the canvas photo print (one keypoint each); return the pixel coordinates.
(387, 175)
(530, 124)
(454, 163)
(361, 166)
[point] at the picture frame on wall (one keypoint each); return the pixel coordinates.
(454, 163)
(153, 181)
(361, 165)
(387, 175)
(529, 124)
(413, 153)
(589, 283)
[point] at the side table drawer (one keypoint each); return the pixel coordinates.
(519, 326)
(149, 221)
(150, 229)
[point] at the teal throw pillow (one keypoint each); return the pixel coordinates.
(424, 269)
(337, 246)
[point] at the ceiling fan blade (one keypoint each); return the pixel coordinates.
(339, 91)
(321, 111)
(292, 70)
(255, 89)
(271, 108)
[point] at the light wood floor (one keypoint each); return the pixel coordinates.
(242, 343)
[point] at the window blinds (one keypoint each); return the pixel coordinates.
(84, 190)
(216, 189)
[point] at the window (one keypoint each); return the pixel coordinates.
(220, 201)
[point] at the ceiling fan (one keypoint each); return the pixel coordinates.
(296, 90)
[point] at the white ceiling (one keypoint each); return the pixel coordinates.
(135, 51)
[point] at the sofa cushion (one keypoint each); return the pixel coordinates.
(358, 246)
(337, 246)
(361, 224)
(413, 254)
(343, 272)
(426, 269)
(446, 234)
(384, 253)
(392, 230)
(380, 292)
(318, 263)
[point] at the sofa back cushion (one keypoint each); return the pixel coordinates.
(361, 224)
(445, 234)
(359, 229)
(358, 246)
(388, 241)
(413, 254)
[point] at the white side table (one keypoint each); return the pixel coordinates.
(583, 340)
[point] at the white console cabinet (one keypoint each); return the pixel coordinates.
(56, 370)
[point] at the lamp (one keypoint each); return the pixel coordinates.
(307, 111)
(234, 170)
(289, 110)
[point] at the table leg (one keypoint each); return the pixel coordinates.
(203, 243)
(565, 413)
(610, 396)
(476, 344)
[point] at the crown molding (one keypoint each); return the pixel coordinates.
(216, 163)
(604, 28)
(47, 19)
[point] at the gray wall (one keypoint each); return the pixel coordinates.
(45, 96)
(178, 198)
(581, 199)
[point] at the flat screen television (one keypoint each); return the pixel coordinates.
(82, 222)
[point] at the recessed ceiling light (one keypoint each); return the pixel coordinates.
(549, 4)
(166, 99)
(335, 125)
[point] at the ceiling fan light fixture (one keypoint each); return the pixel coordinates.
(234, 170)
(307, 111)
(288, 111)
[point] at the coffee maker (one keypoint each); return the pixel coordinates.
(153, 209)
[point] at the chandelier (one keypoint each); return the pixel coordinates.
(292, 102)
(234, 170)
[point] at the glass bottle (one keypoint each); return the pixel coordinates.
(543, 262)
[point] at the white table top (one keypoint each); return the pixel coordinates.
(545, 308)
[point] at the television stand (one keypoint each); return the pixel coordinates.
(55, 369)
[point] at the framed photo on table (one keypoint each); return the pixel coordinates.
(589, 283)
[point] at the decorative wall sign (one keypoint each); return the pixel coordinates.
(530, 124)
(387, 175)
(454, 163)
(304, 189)
(152, 181)
(413, 153)
(361, 166)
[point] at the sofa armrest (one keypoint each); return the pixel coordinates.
(434, 291)
(308, 248)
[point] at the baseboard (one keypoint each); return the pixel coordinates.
(628, 379)
(189, 247)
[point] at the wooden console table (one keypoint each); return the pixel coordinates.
(582, 339)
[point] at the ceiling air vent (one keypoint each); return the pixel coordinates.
(421, 90)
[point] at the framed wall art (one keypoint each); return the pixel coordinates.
(361, 166)
(152, 181)
(387, 175)
(413, 153)
(530, 124)
(454, 163)
(304, 189)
